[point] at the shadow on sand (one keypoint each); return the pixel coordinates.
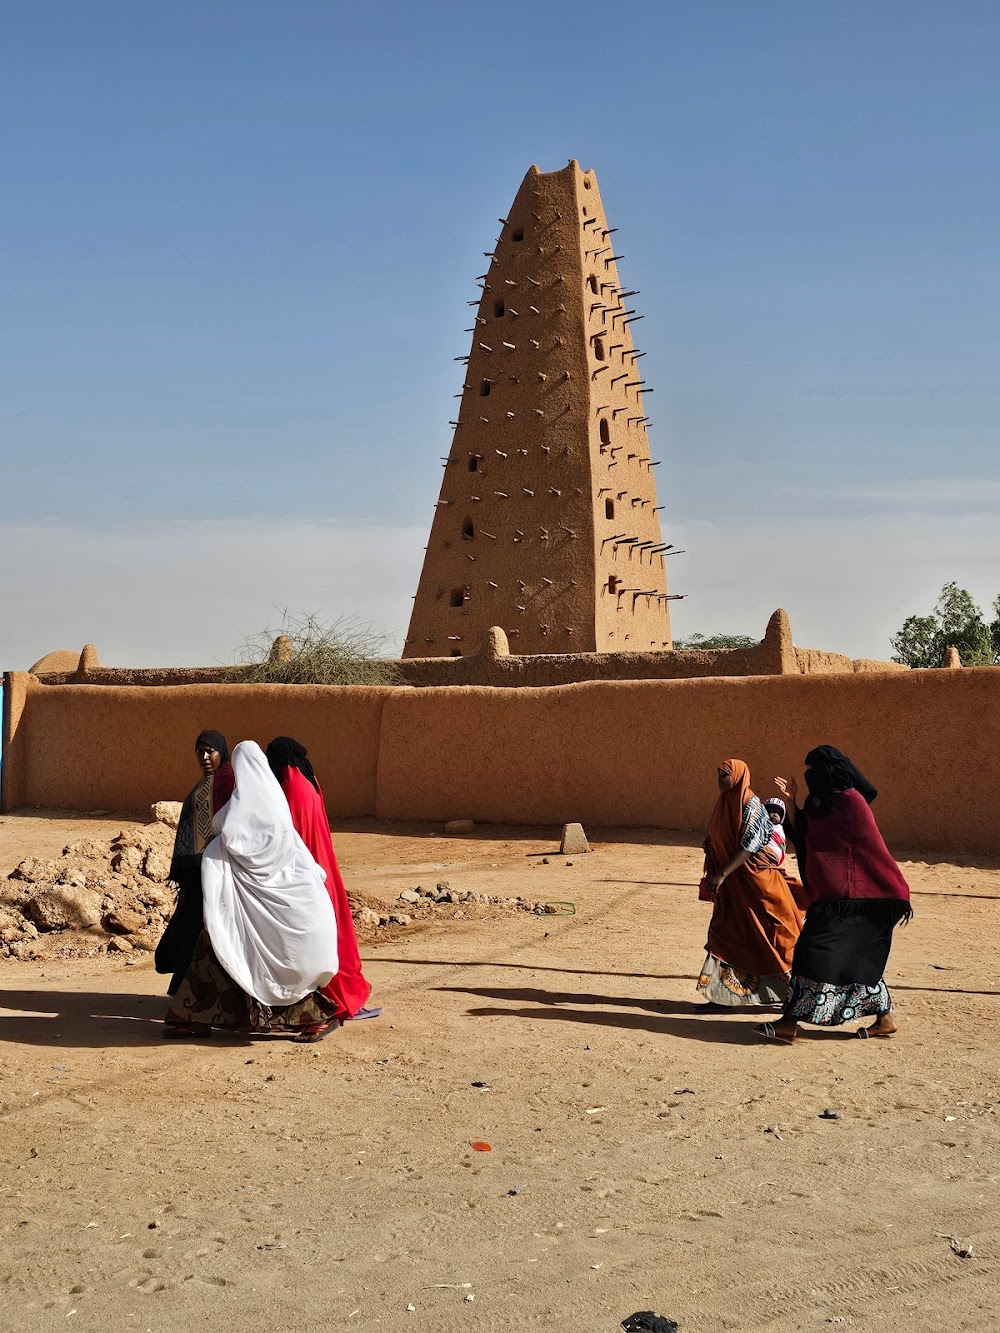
(91, 1020)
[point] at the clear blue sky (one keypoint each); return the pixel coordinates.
(238, 239)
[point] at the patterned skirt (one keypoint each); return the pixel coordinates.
(827, 1005)
(839, 963)
(722, 984)
(208, 996)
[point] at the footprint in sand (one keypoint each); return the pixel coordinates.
(150, 1284)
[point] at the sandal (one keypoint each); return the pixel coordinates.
(362, 1014)
(306, 1036)
(186, 1031)
(769, 1031)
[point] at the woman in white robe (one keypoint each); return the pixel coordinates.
(270, 937)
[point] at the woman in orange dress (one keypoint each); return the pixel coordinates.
(756, 917)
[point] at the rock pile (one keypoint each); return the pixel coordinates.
(374, 919)
(97, 897)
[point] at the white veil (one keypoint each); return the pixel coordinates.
(267, 911)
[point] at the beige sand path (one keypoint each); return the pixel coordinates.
(233, 1185)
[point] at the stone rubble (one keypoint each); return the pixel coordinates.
(373, 919)
(115, 897)
(96, 897)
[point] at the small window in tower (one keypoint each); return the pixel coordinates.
(468, 531)
(605, 431)
(592, 284)
(517, 234)
(586, 212)
(498, 309)
(609, 508)
(599, 348)
(484, 389)
(614, 580)
(456, 652)
(458, 596)
(586, 183)
(474, 463)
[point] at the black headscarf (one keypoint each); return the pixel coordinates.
(217, 741)
(828, 773)
(284, 752)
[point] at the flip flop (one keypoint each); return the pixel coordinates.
(866, 1033)
(767, 1030)
(307, 1036)
(363, 1014)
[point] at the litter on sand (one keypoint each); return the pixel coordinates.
(478, 1145)
(647, 1322)
(963, 1248)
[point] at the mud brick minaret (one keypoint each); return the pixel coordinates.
(547, 523)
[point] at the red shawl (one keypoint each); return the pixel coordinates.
(847, 856)
(348, 990)
(222, 785)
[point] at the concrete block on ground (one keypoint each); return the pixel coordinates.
(459, 826)
(574, 840)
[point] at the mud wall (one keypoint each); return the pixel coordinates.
(492, 663)
(632, 753)
(121, 748)
(644, 753)
(812, 662)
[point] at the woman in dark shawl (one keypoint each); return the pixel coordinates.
(755, 918)
(857, 896)
(194, 831)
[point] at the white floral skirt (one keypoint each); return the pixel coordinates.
(722, 984)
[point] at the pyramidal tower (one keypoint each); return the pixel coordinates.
(547, 523)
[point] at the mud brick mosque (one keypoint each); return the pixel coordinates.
(547, 523)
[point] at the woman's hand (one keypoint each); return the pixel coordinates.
(788, 788)
(714, 882)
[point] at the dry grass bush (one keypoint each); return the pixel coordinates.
(305, 650)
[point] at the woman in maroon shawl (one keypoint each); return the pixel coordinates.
(857, 896)
(290, 764)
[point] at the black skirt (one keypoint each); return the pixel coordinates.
(176, 947)
(847, 942)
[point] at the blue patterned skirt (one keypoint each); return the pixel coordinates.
(828, 1006)
(839, 961)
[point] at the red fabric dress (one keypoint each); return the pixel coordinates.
(348, 990)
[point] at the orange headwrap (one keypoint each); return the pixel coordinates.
(723, 840)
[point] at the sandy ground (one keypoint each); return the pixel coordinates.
(645, 1154)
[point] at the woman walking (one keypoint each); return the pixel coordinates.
(194, 832)
(857, 896)
(755, 917)
(290, 764)
(270, 936)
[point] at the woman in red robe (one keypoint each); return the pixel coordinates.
(290, 764)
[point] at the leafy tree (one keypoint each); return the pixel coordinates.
(703, 641)
(995, 631)
(956, 622)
